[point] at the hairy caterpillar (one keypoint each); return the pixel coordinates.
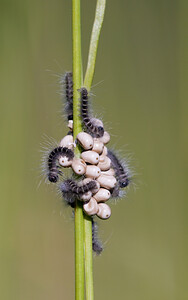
(53, 168)
(69, 95)
(92, 125)
(70, 185)
(121, 171)
(96, 243)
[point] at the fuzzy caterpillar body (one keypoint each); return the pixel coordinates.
(89, 123)
(53, 168)
(121, 172)
(69, 95)
(70, 185)
(96, 243)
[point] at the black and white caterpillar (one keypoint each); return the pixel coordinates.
(72, 190)
(96, 243)
(121, 171)
(92, 125)
(53, 167)
(68, 81)
(72, 186)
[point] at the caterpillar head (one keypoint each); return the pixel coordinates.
(124, 183)
(53, 177)
(100, 130)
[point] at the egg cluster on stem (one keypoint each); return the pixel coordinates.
(101, 173)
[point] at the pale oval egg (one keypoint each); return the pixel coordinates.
(91, 208)
(90, 157)
(79, 166)
(107, 181)
(67, 141)
(93, 172)
(104, 211)
(102, 195)
(85, 140)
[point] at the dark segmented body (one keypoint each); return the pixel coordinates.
(95, 131)
(70, 185)
(96, 243)
(115, 192)
(120, 171)
(69, 95)
(53, 168)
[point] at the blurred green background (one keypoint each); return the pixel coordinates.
(141, 89)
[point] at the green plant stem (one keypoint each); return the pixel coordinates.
(99, 16)
(77, 79)
(97, 25)
(88, 257)
(83, 224)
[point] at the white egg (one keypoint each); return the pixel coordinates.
(90, 157)
(91, 208)
(67, 141)
(64, 162)
(85, 140)
(93, 172)
(79, 166)
(110, 172)
(105, 165)
(102, 195)
(98, 146)
(104, 211)
(107, 181)
(105, 138)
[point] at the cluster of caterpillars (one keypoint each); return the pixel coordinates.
(102, 174)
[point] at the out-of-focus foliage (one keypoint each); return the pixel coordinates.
(140, 86)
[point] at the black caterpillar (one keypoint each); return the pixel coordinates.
(96, 243)
(53, 168)
(71, 186)
(69, 95)
(121, 172)
(89, 123)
